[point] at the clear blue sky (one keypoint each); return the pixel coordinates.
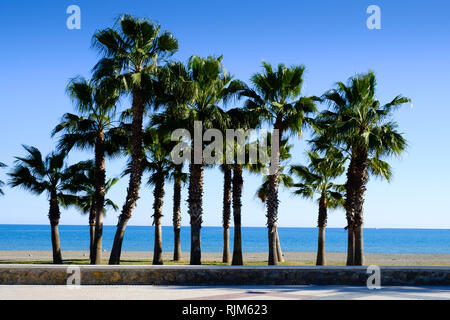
(410, 55)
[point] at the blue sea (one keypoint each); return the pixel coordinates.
(140, 238)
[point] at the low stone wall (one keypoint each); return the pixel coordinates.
(222, 275)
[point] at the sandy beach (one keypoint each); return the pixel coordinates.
(300, 258)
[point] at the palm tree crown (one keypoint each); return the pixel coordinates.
(97, 105)
(195, 91)
(44, 175)
(276, 97)
(359, 123)
(131, 53)
(318, 176)
(84, 181)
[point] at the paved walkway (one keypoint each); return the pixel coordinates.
(32, 292)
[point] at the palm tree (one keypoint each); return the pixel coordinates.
(92, 130)
(50, 176)
(158, 146)
(2, 165)
(178, 177)
(360, 126)
(284, 179)
(211, 80)
(276, 99)
(85, 180)
(132, 53)
(317, 178)
(238, 183)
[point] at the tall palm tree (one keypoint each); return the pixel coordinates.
(226, 210)
(85, 180)
(92, 130)
(132, 53)
(317, 178)
(2, 165)
(361, 127)
(211, 80)
(50, 176)
(276, 98)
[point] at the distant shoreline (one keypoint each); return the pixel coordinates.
(301, 258)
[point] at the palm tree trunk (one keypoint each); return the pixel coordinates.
(349, 213)
(56, 246)
(272, 197)
(356, 186)
(226, 246)
(157, 251)
(99, 197)
(359, 246)
(361, 165)
(322, 223)
(226, 213)
(279, 252)
(137, 156)
(177, 219)
(158, 194)
(91, 242)
(195, 210)
(177, 250)
(91, 233)
(237, 195)
(54, 215)
(350, 245)
(273, 255)
(116, 251)
(321, 260)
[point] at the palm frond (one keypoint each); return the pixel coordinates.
(380, 168)
(2, 165)
(21, 176)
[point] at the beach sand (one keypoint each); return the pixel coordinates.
(292, 258)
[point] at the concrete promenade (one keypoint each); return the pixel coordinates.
(208, 293)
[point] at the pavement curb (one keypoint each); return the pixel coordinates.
(223, 275)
